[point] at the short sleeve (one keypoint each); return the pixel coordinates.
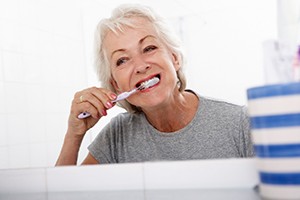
(101, 147)
(245, 134)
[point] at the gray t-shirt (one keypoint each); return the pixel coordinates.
(218, 130)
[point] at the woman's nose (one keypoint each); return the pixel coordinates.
(142, 69)
(141, 66)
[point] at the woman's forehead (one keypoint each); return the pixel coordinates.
(128, 34)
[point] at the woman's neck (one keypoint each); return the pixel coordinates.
(174, 115)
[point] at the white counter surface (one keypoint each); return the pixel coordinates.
(196, 179)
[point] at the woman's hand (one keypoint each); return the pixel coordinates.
(95, 101)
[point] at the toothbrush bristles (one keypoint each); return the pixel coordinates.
(148, 83)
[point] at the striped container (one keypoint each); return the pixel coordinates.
(274, 112)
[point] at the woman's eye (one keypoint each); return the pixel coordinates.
(149, 48)
(121, 61)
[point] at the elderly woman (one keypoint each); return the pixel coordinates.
(162, 122)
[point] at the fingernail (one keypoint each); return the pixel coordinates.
(108, 104)
(103, 112)
(113, 96)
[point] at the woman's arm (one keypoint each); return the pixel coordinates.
(94, 100)
(69, 151)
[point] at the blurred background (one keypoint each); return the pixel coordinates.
(46, 55)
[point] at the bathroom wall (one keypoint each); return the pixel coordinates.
(46, 56)
(42, 63)
(289, 22)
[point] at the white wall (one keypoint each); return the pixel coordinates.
(46, 56)
(289, 21)
(42, 64)
(225, 48)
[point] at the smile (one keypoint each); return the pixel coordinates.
(145, 81)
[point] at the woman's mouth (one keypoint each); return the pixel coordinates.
(148, 83)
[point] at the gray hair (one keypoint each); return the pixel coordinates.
(120, 17)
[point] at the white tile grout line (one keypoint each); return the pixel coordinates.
(144, 181)
(46, 183)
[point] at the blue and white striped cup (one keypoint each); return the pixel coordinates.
(274, 112)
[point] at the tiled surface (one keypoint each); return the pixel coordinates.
(180, 175)
(4, 163)
(18, 156)
(41, 62)
(23, 180)
(207, 194)
(235, 173)
(3, 130)
(96, 178)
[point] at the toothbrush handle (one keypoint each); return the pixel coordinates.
(84, 115)
(120, 97)
(125, 95)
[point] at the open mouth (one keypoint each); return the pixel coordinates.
(144, 82)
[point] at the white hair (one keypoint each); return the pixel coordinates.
(120, 17)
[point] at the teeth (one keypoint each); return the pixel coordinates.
(149, 83)
(144, 83)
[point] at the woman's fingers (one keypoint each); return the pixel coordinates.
(94, 100)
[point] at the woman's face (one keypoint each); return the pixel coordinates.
(137, 55)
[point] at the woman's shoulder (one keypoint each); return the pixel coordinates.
(219, 102)
(212, 100)
(212, 104)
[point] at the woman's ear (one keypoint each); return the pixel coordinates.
(175, 61)
(114, 84)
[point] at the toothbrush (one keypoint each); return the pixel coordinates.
(296, 66)
(125, 95)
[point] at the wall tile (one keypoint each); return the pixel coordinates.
(66, 96)
(34, 98)
(29, 39)
(203, 174)
(15, 97)
(88, 178)
(23, 181)
(1, 64)
(50, 64)
(17, 129)
(56, 126)
(57, 101)
(10, 10)
(18, 156)
(2, 97)
(53, 150)
(38, 154)
(4, 162)
(83, 152)
(68, 25)
(45, 11)
(3, 130)
(36, 127)
(33, 66)
(10, 35)
(73, 69)
(29, 12)
(52, 98)
(45, 46)
(12, 66)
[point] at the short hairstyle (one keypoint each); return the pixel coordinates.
(120, 17)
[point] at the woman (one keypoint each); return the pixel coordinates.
(163, 122)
